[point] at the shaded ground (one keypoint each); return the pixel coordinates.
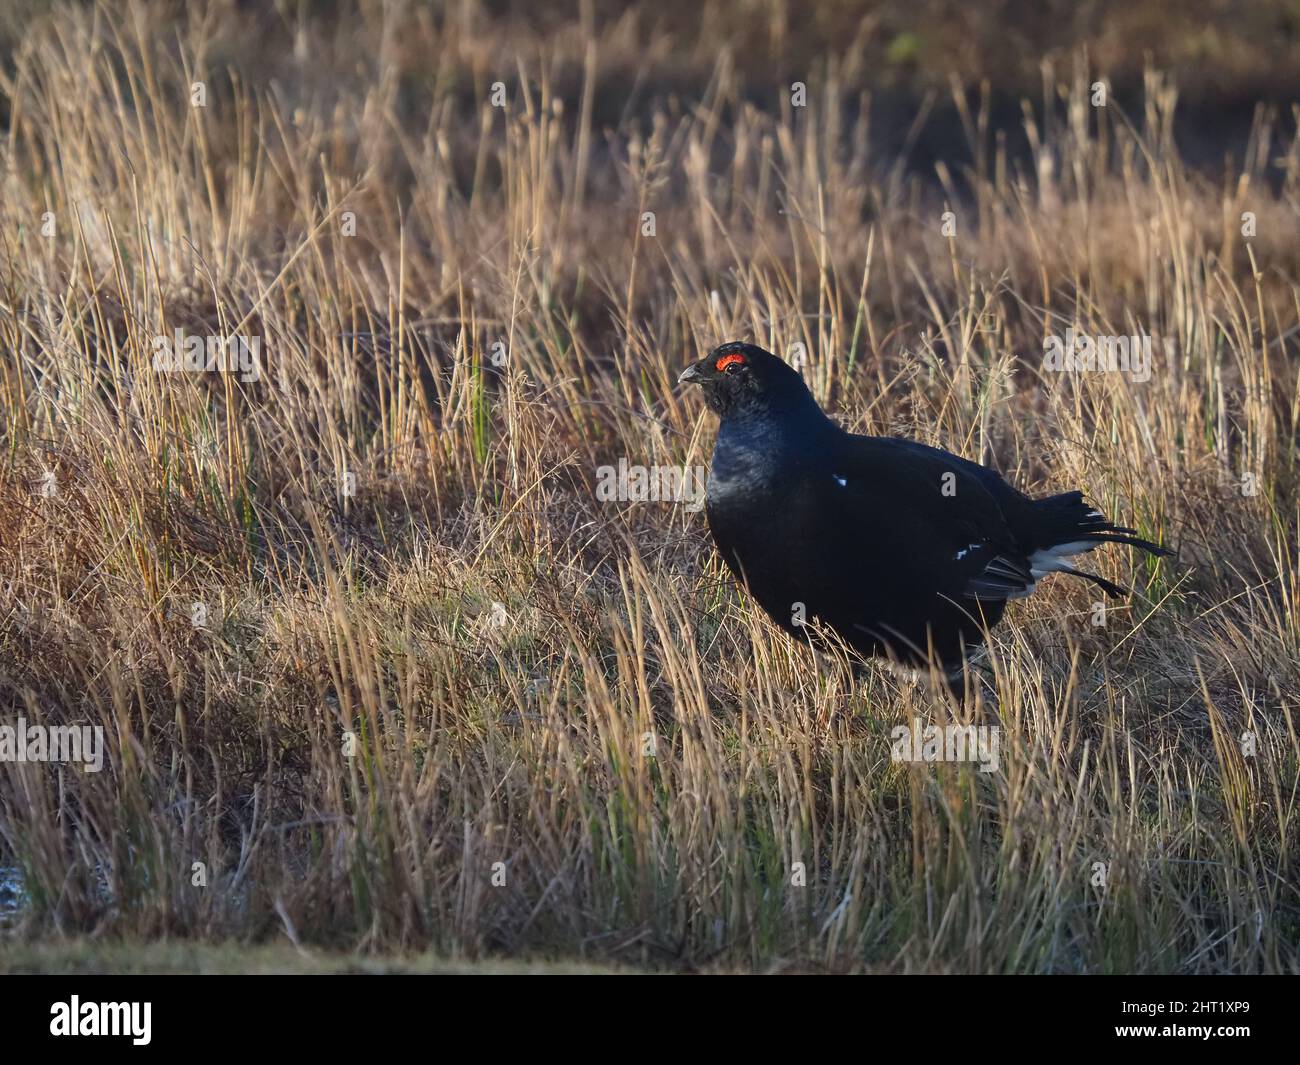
(182, 959)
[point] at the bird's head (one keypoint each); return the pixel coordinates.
(740, 379)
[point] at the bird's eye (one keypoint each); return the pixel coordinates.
(730, 362)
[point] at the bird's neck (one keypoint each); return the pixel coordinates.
(792, 421)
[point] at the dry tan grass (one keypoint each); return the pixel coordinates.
(524, 743)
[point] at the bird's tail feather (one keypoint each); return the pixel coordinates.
(1067, 526)
(1113, 590)
(1068, 519)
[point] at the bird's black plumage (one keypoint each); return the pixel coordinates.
(901, 549)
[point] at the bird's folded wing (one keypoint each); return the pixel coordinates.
(953, 497)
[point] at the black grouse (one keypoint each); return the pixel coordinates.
(902, 550)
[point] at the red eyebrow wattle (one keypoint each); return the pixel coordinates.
(728, 360)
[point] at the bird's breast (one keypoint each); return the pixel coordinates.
(750, 468)
(738, 477)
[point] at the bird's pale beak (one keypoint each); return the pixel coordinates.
(691, 375)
